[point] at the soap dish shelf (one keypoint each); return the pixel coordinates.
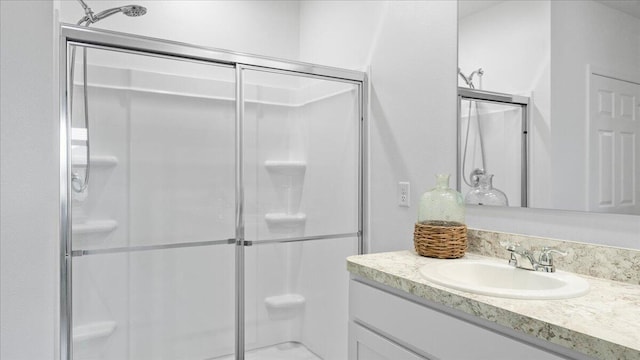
(94, 330)
(285, 220)
(285, 301)
(286, 167)
(97, 161)
(94, 227)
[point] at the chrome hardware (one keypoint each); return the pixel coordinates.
(475, 177)
(523, 258)
(545, 260)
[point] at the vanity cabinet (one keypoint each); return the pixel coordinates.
(368, 345)
(383, 324)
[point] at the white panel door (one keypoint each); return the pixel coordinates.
(614, 162)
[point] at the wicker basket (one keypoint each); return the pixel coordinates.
(440, 239)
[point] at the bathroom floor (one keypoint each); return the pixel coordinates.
(284, 351)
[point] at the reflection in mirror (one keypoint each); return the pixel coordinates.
(578, 64)
(492, 151)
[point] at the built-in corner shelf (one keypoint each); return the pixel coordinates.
(97, 161)
(94, 227)
(287, 220)
(286, 167)
(285, 301)
(94, 330)
(285, 306)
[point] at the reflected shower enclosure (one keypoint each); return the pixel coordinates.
(225, 193)
(492, 145)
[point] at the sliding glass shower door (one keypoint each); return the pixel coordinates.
(208, 201)
(153, 223)
(301, 161)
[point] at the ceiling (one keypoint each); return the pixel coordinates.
(469, 7)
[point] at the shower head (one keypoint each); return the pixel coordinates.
(91, 18)
(129, 10)
(134, 10)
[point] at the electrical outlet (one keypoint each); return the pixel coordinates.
(404, 193)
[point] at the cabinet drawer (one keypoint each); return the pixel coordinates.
(367, 345)
(431, 333)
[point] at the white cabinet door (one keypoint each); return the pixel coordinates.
(432, 333)
(367, 345)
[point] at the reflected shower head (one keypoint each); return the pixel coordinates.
(469, 79)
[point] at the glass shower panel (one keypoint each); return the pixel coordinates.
(162, 148)
(301, 155)
(153, 261)
(491, 138)
(301, 160)
(296, 299)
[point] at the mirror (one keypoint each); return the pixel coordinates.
(577, 63)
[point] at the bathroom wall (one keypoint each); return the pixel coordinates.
(412, 115)
(601, 37)
(340, 33)
(28, 181)
(412, 96)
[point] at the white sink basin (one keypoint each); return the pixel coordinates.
(503, 280)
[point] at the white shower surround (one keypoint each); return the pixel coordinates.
(167, 302)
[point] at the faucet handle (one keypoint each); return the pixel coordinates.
(513, 247)
(546, 255)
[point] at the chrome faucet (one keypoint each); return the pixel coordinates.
(524, 258)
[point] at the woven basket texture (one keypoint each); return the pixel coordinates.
(440, 239)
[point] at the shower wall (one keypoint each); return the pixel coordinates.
(163, 172)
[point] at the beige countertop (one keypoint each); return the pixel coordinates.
(605, 323)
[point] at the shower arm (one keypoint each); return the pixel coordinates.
(469, 79)
(89, 16)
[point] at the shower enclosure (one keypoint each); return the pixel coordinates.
(493, 139)
(226, 191)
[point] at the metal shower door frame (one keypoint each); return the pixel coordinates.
(71, 35)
